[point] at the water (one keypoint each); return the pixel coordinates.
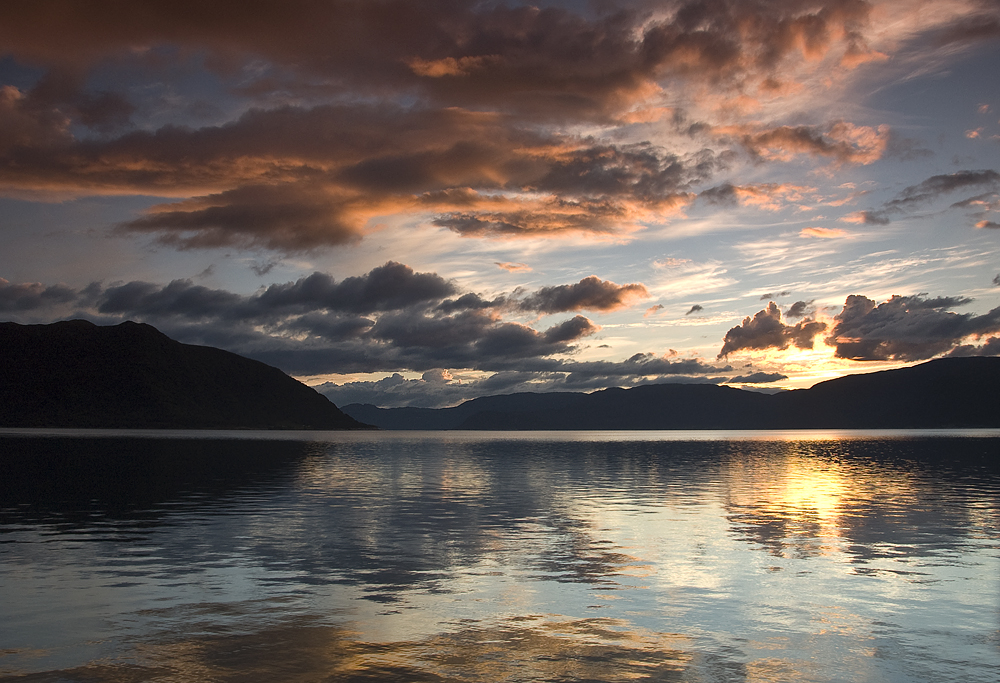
(449, 556)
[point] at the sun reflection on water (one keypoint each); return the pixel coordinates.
(457, 559)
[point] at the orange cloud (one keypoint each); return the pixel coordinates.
(825, 233)
(449, 66)
(766, 196)
(514, 267)
(842, 141)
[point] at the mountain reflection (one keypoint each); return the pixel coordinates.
(521, 649)
(75, 482)
(450, 558)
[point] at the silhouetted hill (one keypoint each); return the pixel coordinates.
(950, 392)
(77, 374)
(451, 418)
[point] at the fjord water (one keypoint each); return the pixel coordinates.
(449, 556)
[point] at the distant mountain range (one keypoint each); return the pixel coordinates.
(943, 393)
(77, 374)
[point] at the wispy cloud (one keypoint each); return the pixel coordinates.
(823, 233)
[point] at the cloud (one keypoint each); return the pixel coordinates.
(928, 190)
(969, 29)
(549, 62)
(905, 328)
(390, 287)
(671, 262)
(652, 310)
(288, 218)
(697, 308)
(840, 141)
(990, 348)
(799, 309)
(988, 224)
(996, 280)
(32, 296)
(514, 267)
(432, 390)
(765, 331)
(866, 218)
(392, 318)
(823, 233)
(261, 269)
(286, 183)
(766, 196)
(296, 178)
(590, 293)
(757, 378)
(491, 121)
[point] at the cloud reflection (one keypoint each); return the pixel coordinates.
(440, 558)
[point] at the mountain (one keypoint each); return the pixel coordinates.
(451, 418)
(949, 392)
(77, 374)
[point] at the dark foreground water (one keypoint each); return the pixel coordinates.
(500, 557)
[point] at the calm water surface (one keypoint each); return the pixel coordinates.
(449, 556)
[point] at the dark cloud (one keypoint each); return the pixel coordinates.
(261, 269)
(905, 327)
(285, 218)
(757, 378)
(179, 298)
(874, 217)
(996, 280)
(973, 201)
(766, 331)
(697, 308)
(721, 194)
(392, 286)
(990, 348)
(930, 189)
(976, 28)
(550, 62)
(389, 319)
(771, 295)
(32, 296)
(639, 171)
(550, 217)
(938, 185)
(451, 110)
(840, 141)
(800, 309)
(436, 388)
(638, 365)
(62, 90)
(294, 178)
(590, 293)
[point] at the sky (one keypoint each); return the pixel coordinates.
(416, 203)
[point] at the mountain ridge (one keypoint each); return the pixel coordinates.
(78, 374)
(942, 393)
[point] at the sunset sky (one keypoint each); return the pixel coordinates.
(415, 203)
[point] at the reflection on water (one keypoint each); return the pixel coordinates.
(489, 557)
